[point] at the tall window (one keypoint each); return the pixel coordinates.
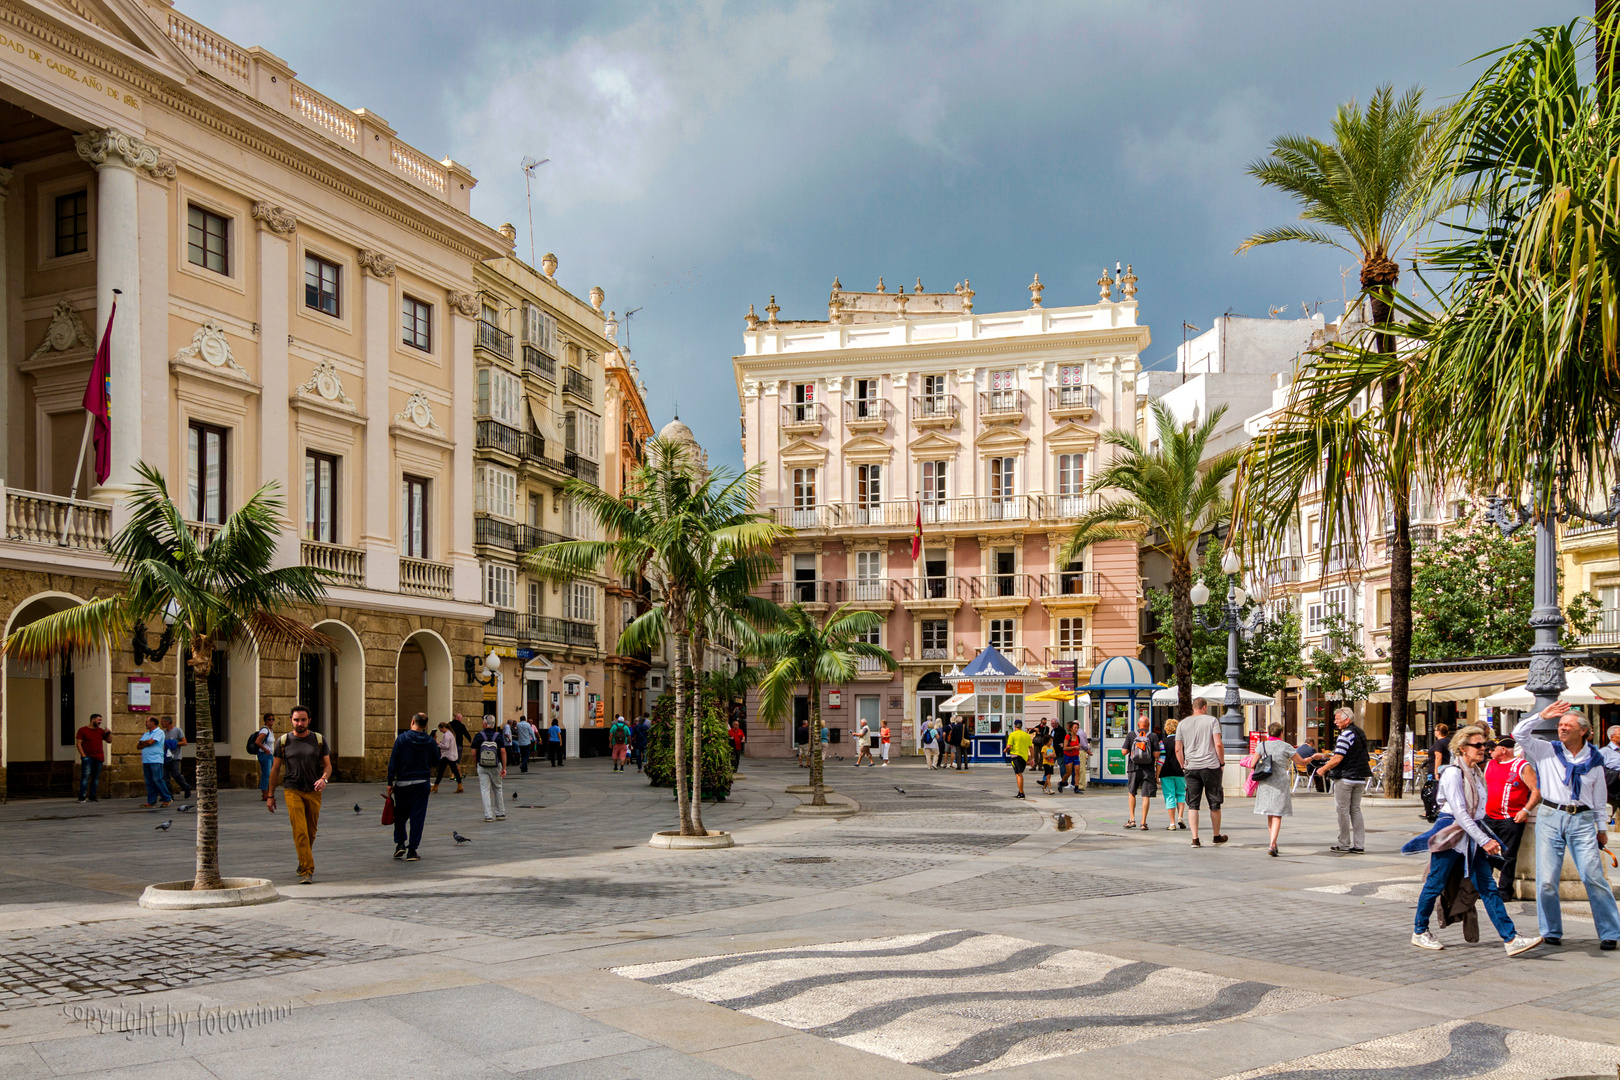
(417, 323)
(804, 496)
(534, 510)
(320, 497)
(413, 516)
(582, 597)
(207, 240)
(539, 328)
(804, 397)
(804, 578)
(206, 472)
(1334, 601)
(500, 396)
(1073, 578)
(866, 398)
(72, 223)
(1002, 391)
(497, 491)
(1002, 487)
(1071, 638)
(1071, 479)
(869, 575)
(1001, 634)
(935, 401)
(321, 280)
(868, 488)
(936, 639)
(536, 598)
(931, 490)
(500, 586)
(1071, 384)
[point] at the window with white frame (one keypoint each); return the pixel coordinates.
(868, 486)
(1071, 382)
(627, 613)
(582, 601)
(577, 520)
(1002, 391)
(500, 586)
(1071, 636)
(804, 397)
(931, 490)
(869, 575)
(936, 639)
(320, 497)
(872, 636)
(1071, 479)
(497, 491)
(413, 516)
(866, 398)
(536, 598)
(1333, 601)
(539, 328)
(1001, 634)
(1002, 486)
(500, 396)
(804, 489)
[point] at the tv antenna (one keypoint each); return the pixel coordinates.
(529, 165)
(627, 315)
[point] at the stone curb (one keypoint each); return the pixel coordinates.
(238, 892)
(676, 842)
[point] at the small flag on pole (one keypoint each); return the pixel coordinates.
(916, 536)
(96, 399)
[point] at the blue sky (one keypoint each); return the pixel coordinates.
(707, 155)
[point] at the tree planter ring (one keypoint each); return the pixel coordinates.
(834, 810)
(238, 892)
(676, 842)
(806, 789)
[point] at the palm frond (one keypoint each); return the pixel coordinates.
(76, 631)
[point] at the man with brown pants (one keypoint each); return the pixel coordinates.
(303, 756)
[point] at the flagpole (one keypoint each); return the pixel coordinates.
(78, 470)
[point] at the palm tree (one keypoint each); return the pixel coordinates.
(1174, 494)
(800, 651)
(703, 548)
(209, 593)
(1369, 192)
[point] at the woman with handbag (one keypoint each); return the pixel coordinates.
(1272, 774)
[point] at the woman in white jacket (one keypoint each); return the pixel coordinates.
(1458, 837)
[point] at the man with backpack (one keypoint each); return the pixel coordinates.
(1141, 770)
(489, 752)
(619, 743)
(410, 771)
(262, 744)
(304, 759)
(930, 744)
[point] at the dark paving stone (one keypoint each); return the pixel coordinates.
(1035, 885)
(774, 869)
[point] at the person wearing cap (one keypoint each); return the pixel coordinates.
(1573, 790)
(1511, 793)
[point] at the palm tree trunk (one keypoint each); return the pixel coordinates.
(1181, 621)
(1400, 639)
(818, 797)
(201, 663)
(699, 645)
(682, 644)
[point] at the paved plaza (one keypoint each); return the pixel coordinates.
(946, 929)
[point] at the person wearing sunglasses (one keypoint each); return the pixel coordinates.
(1459, 839)
(1574, 793)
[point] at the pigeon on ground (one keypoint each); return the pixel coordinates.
(511, 795)
(900, 789)
(186, 809)
(164, 827)
(357, 808)
(459, 838)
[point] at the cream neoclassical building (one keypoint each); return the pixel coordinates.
(298, 304)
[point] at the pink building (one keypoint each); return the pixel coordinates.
(988, 427)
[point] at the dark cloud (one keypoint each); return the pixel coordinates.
(706, 156)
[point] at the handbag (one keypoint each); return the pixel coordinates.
(1263, 765)
(388, 810)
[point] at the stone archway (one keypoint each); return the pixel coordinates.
(422, 676)
(332, 685)
(45, 704)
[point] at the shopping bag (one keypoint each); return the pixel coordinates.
(388, 810)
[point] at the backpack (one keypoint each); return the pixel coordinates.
(489, 752)
(928, 737)
(1142, 752)
(253, 742)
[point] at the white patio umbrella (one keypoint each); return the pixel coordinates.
(1214, 693)
(1584, 689)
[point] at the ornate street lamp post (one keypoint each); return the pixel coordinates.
(1232, 621)
(1545, 679)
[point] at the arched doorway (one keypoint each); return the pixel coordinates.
(422, 679)
(332, 686)
(931, 690)
(45, 704)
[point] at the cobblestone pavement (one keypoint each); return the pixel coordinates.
(945, 929)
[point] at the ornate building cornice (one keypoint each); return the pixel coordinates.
(277, 219)
(376, 264)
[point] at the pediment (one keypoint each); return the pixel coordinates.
(867, 448)
(802, 450)
(934, 443)
(128, 22)
(1071, 436)
(1001, 439)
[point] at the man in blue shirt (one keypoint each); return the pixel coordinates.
(174, 737)
(523, 737)
(153, 746)
(554, 748)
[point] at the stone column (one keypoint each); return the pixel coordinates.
(8, 365)
(463, 388)
(276, 229)
(152, 196)
(116, 157)
(378, 327)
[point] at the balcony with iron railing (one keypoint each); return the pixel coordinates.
(576, 382)
(1002, 586)
(1071, 401)
(895, 514)
(870, 667)
(527, 538)
(538, 363)
(867, 414)
(1068, 583)
(32, 517)
(503, 438)
(1422, 534)
(801, 418)
(943, 588)
(502, 626)
(808, 591)
(494, 339)
(493, 532)
(341, 565)
(1605, 629)
(549, 629)
(423, 577)
(583, 468)
(1002, 406)
(865, 591)
(934, 410)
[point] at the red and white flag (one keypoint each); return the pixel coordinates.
(97, 401)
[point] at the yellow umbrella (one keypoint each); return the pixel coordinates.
(1056, 693)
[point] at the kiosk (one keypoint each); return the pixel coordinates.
(989, 696)
(1121, 689)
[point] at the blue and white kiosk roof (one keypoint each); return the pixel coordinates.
(1122, 673)
(989, 698)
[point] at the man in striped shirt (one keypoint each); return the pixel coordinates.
(1574, 791)
(1349, 770)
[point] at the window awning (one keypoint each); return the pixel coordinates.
(951, 704)
(1456, 685)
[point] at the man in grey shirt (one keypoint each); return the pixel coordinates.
(1198, 748)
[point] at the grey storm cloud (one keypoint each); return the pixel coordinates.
(707, 155)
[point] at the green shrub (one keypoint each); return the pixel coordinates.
(660, 766)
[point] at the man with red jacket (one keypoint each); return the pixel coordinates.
(1511, 793)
